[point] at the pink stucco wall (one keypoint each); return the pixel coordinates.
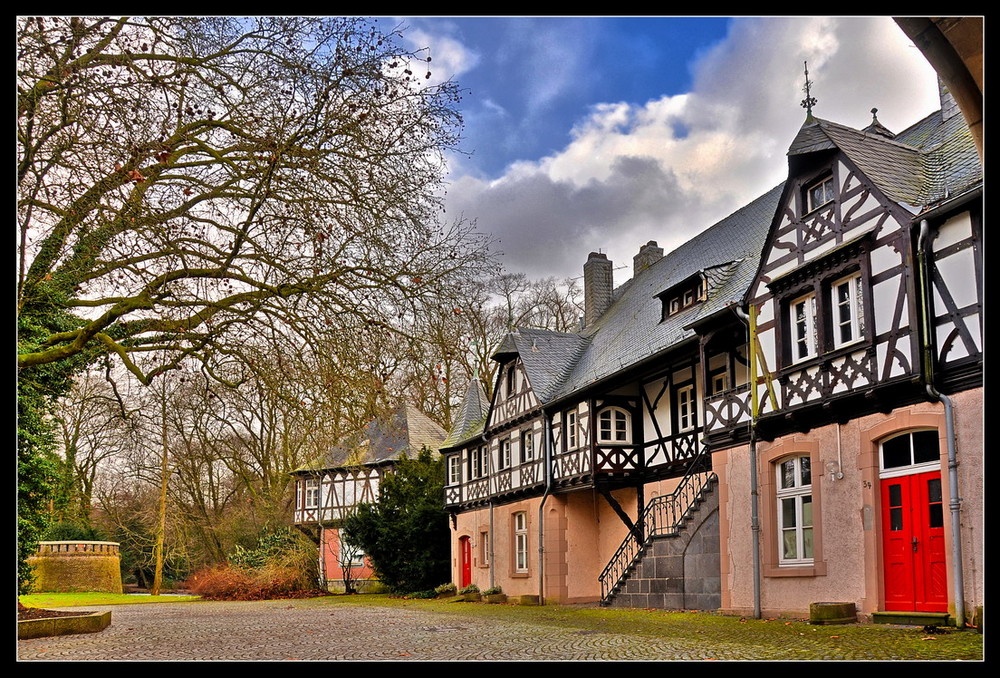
(582, 532)
(847, 557)
(330, 551)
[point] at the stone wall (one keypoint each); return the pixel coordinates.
(66, 566)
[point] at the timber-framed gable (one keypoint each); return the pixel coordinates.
(835, 297)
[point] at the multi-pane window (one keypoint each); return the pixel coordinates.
(484, 548)
(572, 429)
(527, 446)
(504, 460)
(819, 194)
(845, 303)
(521, 541)
(613, 425)
(685, 408)
(803, 327)
(478, 466)
(454, 470)
(795, 515)
(312, 492)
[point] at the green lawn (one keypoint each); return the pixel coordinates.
(49, 600)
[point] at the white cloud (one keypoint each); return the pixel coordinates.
(671, 167)
(449, 57)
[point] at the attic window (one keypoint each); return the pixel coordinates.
(683, 296)
(819, 193)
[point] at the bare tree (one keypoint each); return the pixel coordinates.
(185, 183)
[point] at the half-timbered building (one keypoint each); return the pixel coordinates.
(867, 321)
(328, 490)
(784, 410)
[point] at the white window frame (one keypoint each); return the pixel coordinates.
(846, 313)
(478, 463)
(527, 446)
(803, 330)
(510, 383)
(614, 426)
(312, 492)
(685, 408)
(504, 459)
(454, 470)
(572, 429)
(484, 548)
(798, 497)
(520, 542)
(829, 193)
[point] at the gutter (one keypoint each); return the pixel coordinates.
(958, 575)
(547, 447)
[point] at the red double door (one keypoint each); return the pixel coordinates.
(913, 543)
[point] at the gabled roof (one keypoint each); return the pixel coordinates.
(405, 430)
(546, 356)
(920, 166)
(471, 419)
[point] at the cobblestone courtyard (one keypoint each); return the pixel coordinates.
(314, 630)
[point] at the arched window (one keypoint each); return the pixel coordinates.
(795, 515)
(614, 426)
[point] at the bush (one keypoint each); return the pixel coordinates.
(493, 590)
(70, 531)
(269, 582)
(406, 534)
(422, 595)
(471, 588)
(446, 589)
(281, 565)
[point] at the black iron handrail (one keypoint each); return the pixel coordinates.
(662, 516)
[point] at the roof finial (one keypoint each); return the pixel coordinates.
(809, 101)
(874, 115)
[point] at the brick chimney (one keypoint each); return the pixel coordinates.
(648, 255)
(597, 286)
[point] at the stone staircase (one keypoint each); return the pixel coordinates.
(678, 564)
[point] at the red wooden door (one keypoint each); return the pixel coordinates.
(913, 543)
(465, 548)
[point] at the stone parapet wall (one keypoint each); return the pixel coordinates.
(67, 566)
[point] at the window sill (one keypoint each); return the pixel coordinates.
(519, 575)
(814, 570)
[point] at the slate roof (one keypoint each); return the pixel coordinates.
(471, 417)
(931, 160)
(921, 166)
(631, 330)
(405, 430)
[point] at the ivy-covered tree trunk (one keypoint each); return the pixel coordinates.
(36, 476)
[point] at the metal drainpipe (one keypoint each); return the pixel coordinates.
(547, 447)
(754, 492)
(490, 550)
(958, 575)
(486, 442)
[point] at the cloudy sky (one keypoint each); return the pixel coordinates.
(599, 134)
